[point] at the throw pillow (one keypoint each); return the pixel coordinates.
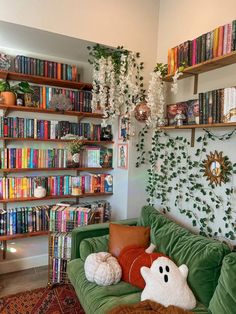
(121, 236)
(131, 259)
(102, 268)
(167, 284)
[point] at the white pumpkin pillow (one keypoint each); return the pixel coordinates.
(102, 268)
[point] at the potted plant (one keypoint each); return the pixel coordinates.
(8, 92)
(75, 148)
(39, 190)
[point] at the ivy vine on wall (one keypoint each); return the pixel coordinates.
(175, 179)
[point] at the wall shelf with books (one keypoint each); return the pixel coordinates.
(50, 197)
(12, 170)
(15, 76)
(23, 235)
(85, 142)
(199, 126)
(206, 66)
(51, 111)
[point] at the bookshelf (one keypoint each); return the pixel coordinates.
(51, 197)
(14, 76)
(209, 65)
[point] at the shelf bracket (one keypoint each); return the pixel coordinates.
(192, 137)
(195, 86)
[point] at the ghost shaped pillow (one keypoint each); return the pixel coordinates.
(166, 283)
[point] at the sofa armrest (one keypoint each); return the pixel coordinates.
(91, 231)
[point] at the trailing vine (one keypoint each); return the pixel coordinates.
(175, 177)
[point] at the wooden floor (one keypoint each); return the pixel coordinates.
(23, 280)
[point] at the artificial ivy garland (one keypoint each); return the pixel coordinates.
(174, 176)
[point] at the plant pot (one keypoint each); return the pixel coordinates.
(9, 98)
(40, 192)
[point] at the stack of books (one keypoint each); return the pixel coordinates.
(47, 129)
(56, 70)
(21, 158)
(24, 220)
(22, 187)
(42, 96)
(216, 43)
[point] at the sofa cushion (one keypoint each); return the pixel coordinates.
(202, 256)
(93, 245)
(224, 298)
(121, 236)
(99, 300)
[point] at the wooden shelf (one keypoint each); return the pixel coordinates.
(51, 111)
(13, 170)
(206, 66)
(199, 126)
(23, 235)
(44, 80)
(50, 197)
(85, 142)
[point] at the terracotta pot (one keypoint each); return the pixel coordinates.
(9, 98)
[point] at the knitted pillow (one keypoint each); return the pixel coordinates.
(131, 259)
(102, 268)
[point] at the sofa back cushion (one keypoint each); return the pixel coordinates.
(93, 245)
(224, 298)
(202, 256)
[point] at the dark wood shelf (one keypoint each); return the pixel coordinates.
(51, 111)
(50, 197)
(86, 142)
(55, 169)
(206, 66)
(199, 126)
(15, 76)
(23, 235)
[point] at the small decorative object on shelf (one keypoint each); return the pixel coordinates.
(60, 102)
(75, 148)
(179, 118)
(142, 112)
(5, 61)
(39, 190)
(106, 133)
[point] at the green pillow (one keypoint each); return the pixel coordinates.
(93, 245)
(203, 256)
(224, 298)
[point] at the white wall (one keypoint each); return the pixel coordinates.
(184, 20)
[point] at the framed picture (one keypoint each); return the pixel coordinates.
(123, 156)
(123, 127)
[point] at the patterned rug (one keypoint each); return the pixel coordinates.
(58, 300)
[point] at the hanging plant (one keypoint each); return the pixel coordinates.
(117, 81)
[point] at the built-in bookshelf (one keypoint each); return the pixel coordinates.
(63, 219)
(13, 109)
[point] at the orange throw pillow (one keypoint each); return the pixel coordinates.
(121, 236)
(131, 259)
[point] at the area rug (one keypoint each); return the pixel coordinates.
(60, 299)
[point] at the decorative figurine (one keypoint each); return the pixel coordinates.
(179, 118)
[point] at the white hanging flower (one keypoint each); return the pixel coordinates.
(174, 86)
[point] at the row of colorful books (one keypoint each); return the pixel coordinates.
(46, 68)
(218, 42)
(22, 187)
(59, 268)
(42, 97)
(94, 156)
(47, 129)
(61, 245)
(20, 158)
(66, 217)
(216, 106)
(24, 220)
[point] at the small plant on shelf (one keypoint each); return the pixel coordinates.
(8, 92)
(75, 148)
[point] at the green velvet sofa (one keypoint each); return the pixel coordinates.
(212, 266)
